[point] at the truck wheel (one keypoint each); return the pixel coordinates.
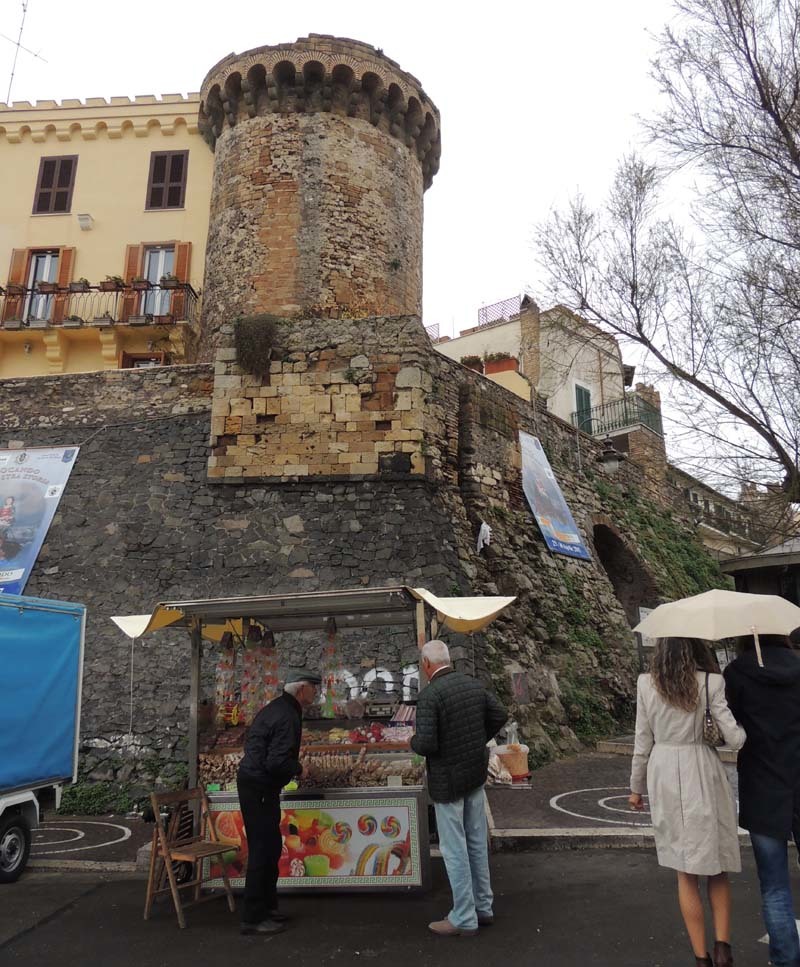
(15, 845)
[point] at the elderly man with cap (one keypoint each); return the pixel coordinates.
(271, 759)
(456, 717)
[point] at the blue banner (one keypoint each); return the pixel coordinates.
(547, 502)
(31, 485)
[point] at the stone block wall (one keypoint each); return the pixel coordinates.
(342, 397)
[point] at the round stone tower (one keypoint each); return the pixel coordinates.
(323, 149)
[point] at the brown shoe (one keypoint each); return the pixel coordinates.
(446, 929)
(723, 955)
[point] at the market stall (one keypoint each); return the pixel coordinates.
(359, 819)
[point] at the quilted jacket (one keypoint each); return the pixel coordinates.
(272, 747)
(456, 717)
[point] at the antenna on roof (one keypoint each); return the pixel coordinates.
(18, 44)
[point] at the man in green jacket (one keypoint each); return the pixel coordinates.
(456, 717)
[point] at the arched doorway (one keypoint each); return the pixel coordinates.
(633, 585)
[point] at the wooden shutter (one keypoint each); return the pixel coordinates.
(133, 268)
(183, 259)
(166, 180)
(17, 273)
(66, 262)
(55, 185)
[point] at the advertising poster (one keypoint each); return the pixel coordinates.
(547, 502)
(368, 842)
(31, 485)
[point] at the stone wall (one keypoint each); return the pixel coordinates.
(141, 522)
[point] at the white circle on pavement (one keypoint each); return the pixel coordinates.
(603, 804)
(124, 830)
(556, 804)
(78, 834)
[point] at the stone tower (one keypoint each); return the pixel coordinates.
(323, 149)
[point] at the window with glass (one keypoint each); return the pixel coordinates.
(159, 260)
(583, 407)
(166, 183)
(43, 268)
(54, 185)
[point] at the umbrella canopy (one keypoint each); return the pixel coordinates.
(722, 614)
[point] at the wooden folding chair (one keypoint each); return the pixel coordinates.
(175, 843)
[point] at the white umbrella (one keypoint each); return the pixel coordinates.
(722, 614)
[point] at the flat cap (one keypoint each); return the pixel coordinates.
(303, 675)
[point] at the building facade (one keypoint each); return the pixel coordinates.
(102, 240)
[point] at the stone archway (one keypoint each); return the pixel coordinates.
(633, 585)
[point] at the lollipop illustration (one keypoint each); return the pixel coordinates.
(341, 832)
(367, 825)
(390, 827)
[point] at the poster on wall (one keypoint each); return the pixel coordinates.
(343, 842)
(31, 485)
(547, 502)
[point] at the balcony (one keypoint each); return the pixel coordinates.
(632, 410)
(106, 304)
(85, 328)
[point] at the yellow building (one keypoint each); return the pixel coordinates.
(103, 222)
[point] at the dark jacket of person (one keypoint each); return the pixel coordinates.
(766, 703)
(272, 747)
(456, 717)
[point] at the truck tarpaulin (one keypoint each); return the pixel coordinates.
(41, 656)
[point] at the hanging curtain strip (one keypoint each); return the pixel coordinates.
(130, 722)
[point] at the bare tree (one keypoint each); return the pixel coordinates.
(717, 304)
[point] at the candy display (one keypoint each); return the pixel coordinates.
(330, 770)
(390, 827)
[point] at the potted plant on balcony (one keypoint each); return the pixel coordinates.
(79, 285)
(73, 322)
(170, 281)
(472, 362)
(500, 363)
(140, 284)
(15, 288)
(112, 283)
(46, 288)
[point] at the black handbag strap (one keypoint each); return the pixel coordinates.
(708, 703)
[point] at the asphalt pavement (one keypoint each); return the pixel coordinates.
(564, 909)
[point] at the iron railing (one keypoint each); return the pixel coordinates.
(498, 311)
(629, 411)
(77, 305)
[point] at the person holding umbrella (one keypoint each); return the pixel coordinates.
(764, 695)
(691, 801)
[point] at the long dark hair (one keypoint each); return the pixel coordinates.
(673, 668)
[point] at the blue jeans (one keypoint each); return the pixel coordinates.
(777, 909)
(464, 842)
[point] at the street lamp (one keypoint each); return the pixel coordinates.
(610, 458)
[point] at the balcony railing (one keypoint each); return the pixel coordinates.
(621, 414)
(97, 305)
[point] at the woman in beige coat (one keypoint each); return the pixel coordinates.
(691, 801)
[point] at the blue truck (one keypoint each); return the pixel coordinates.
(41, 670)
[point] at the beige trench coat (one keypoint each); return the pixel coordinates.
(691, 801)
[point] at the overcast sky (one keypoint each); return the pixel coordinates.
(537, 99)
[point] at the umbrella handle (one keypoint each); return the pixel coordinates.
(758, 647)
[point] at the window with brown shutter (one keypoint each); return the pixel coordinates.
(166, 183)
(54, 185)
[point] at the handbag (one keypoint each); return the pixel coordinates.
(712, 734)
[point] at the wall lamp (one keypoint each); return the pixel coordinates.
(609, 458)
(86, 222)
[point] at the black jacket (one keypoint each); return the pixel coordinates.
(766, 703)
(456, 717)
(272, 747)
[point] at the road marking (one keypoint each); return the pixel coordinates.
(126, 834)
(56, 829)
(555, 804)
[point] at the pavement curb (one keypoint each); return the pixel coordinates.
(570, 838)
(84, 866)
(625, 747)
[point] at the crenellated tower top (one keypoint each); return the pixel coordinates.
(321, 73)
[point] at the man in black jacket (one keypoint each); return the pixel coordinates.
(765, 699)
(271, 759)
(456, 717)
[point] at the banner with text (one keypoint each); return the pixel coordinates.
(547, 502)
(31, 485)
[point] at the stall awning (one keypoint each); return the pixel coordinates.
(363, 608)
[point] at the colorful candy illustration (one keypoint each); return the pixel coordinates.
(367, 825)
(342, 832)
(390, 827)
